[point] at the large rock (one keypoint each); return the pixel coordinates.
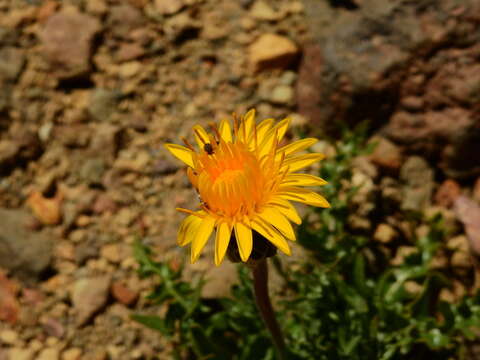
(67, 39)
(25, 253)
(408, 67)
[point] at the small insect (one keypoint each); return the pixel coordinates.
(208, 148)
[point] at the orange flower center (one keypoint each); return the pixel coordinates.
(233, 182)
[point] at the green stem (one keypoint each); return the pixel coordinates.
(260, 283)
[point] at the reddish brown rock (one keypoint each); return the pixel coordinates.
(67, 39)
(123, 294)
(386, 154)
(271, 51)
(9, 306)
(447, 193)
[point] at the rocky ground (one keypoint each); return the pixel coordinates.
(90, 89)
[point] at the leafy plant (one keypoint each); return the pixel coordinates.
(347, 301)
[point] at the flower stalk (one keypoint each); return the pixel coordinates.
(262, 298)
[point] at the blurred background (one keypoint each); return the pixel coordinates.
(90, 89)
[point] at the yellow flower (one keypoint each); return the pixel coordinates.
(245, 181)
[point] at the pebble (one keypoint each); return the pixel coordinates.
(169, 7)
(129, 69)
(72, 354)
(124, 294)
(386, 154)
(8, 337)
(48, 354)
(384, 233)
(89, 296)
(282, 95)
(45, 209)
(446, 194)
(262, 11)
(112, 253)
(25, 253)
(21, 354)
(271, 51)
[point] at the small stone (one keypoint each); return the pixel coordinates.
(386, 154)
(53, 327)
(459, 243)
(89, 296)
(271, 51)
(92, 171)
(384, 233)
(48, 354)
(282, 94)
(72, 354)
(112, 253)
(12, 61)
(419, 183)
(25, 253)
(103, 104)
(129, 69)
(67, 40)
(104, 203)
(446, 194)
(181, 26)
(123, 294)
(129, 51)
(169, 7)
(8, 337)
(21, 354)
(9, 151)
(97, 7)
(46, 210)
(468, 212)
(262, 11)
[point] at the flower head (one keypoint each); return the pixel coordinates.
(246, 181)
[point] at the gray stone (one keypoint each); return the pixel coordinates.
(418, 181)
(25, 253)
(92, 170)
(103, 104)
(12, 61)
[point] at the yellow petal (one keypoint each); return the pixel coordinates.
(297, 146)
(225, 130)
(262, 129)
(204, 136)
(271, 234)
(303, 196)
(302, 161)
(280, 129)
(203, 233)
(222, 239)
(181, 152)
(274, 217)
(188, 229)
(243, 234)
(303, 180)
(287, 209)
(247, 126)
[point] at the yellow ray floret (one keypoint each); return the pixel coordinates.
(246, 182)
